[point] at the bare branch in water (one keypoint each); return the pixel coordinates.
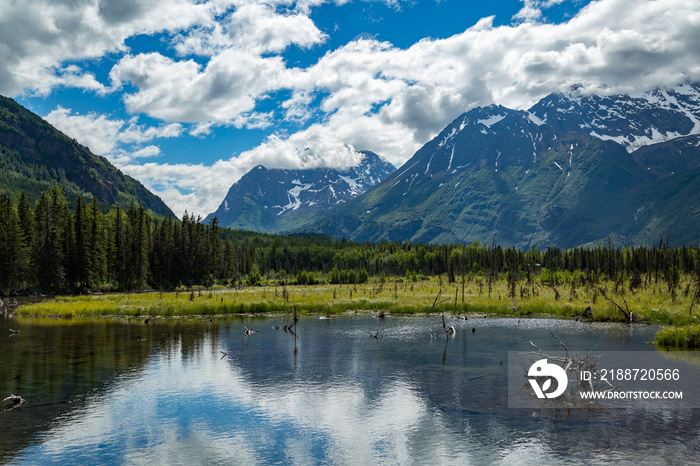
(16, 400)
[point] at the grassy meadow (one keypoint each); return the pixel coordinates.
(428, 296)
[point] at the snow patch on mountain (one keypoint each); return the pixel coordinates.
(537, 120)
(297, 192)
(492, 120)
(630, 120)
(448, 137)
(294, 196)
(355, 187)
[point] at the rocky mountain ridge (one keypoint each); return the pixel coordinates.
(571, 170)
(277, 200)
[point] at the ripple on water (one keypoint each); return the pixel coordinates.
(331, 393)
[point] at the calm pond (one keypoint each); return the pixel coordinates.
(195, 392)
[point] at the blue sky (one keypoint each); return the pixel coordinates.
(188, 95)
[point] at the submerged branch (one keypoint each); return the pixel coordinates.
(288, 328)
(560, 342)
(448, 330)
(16, 400)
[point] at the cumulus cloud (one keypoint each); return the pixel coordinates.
(38, 36)
(256, 27)
(200, 188)
(228, 87)
(227, 59)
(532, 9)
(187, 187)
(609, 46)
(105, 136)
(297, 107)
(148, 151)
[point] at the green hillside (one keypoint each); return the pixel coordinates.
(34, 155)
(528, 187)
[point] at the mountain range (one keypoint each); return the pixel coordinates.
(572, 170)
(276, 200)
(34, 156)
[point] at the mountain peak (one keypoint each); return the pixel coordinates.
(556, 175)
(632, 121)
(276, 200)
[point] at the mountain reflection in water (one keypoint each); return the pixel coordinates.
(116, 392)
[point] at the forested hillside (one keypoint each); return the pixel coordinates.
(574, 170)
(34, 156)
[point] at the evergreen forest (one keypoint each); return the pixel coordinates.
(49, 248)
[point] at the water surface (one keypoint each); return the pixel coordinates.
(183, 392)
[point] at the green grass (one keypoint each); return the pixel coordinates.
(679, 336)
(652, 304)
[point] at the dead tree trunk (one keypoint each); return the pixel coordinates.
(626, 313)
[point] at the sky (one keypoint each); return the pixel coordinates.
(188, 95)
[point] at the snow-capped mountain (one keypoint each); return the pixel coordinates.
(275, 200)
(564, 173)
(632, 121)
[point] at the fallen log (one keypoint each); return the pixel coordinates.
(16, 401)
(586, 313)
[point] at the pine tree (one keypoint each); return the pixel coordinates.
(70, 262)
(119, 257)
(139, 223)
(82, 254)
(96, 244)
(216, 250)
(228, 266)
(47, 247)
(26, 226)
(10, 238)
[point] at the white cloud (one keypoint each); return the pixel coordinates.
(311, 148)
(97, 132)
(38, 36)
(532, 9)
(611, 45)
(528, 13)
(183, 91)
(148, 151)
(195, 188)
(106, 137)
(364, 95)
(297, 107)
(256, 27)
(200, 188)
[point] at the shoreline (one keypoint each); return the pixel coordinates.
(424, 298)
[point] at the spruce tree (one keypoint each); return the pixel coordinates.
(82, 254)
(119, 257)
(96, 241)
(47, 247)
(10, 238)
(26, 226)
